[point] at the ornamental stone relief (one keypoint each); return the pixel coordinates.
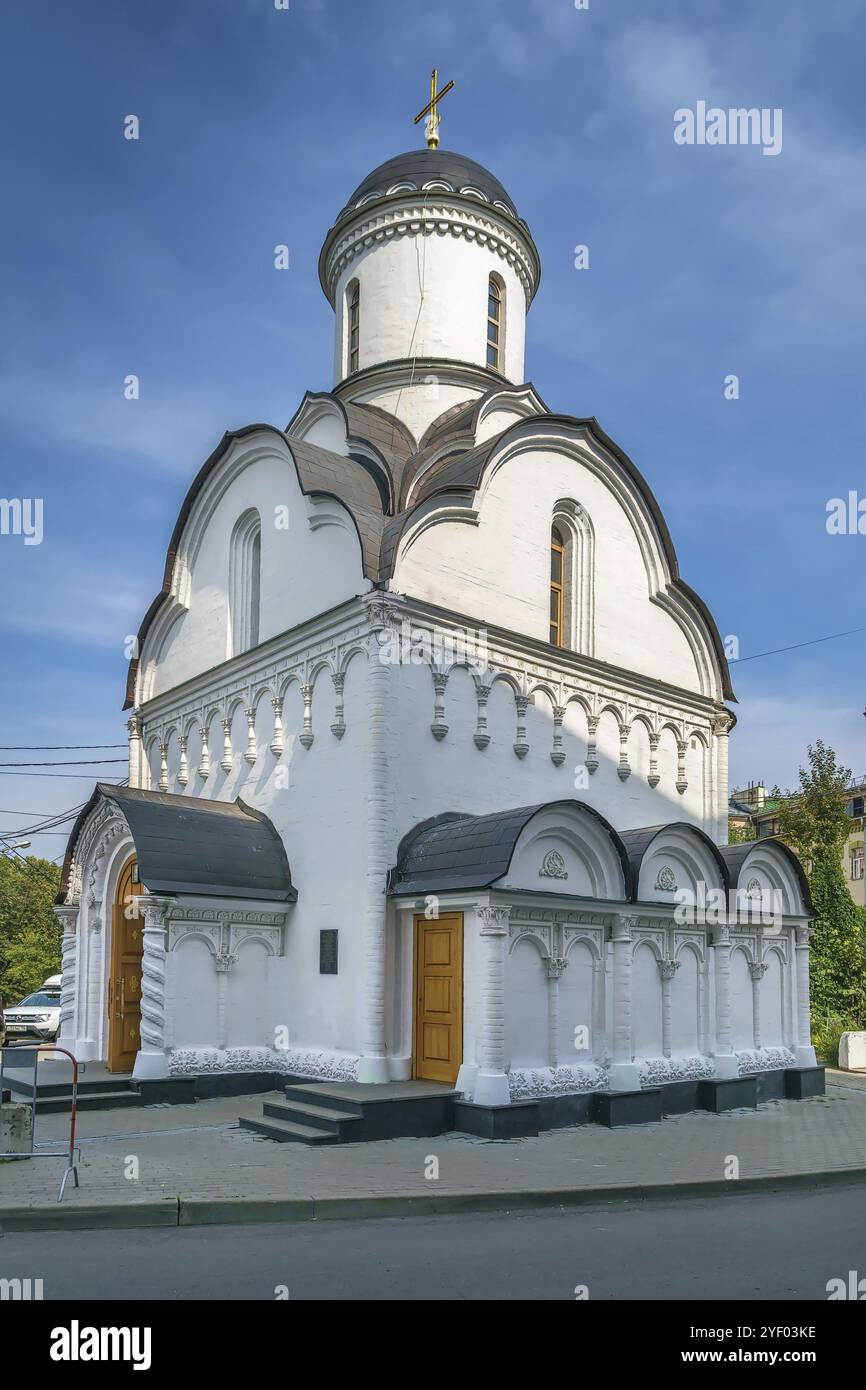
(553, 865)
(666, 881)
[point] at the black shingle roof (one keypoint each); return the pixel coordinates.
(188, 844)
(736, 855)
(637, 842)
(455, 850)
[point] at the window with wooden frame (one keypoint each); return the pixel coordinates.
(557, 552)
(354, 327)
(495, 322)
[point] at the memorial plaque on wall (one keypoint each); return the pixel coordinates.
(328, 951)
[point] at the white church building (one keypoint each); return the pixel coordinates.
(428, 738)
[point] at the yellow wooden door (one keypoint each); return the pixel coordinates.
(438, 1049)
(124, 982)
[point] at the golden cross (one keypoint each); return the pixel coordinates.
(431, 110)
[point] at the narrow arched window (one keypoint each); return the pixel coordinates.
(572, 578)
(245, 583)
(495, 322)
(557, 554)
(354, 327)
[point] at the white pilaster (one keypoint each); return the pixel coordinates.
(721, 728)
(555, 967)
(667, 970)
(757, 971)
(804, 1052)
(491, 1085)
(727, 1066)
(373, 1066)
(624, 1073)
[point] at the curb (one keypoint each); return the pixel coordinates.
(233, 1211)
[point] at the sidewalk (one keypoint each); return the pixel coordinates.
(195, 1166)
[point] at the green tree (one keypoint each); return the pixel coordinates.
(29, 931)
(816, 825)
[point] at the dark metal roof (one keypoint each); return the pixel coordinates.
(455, 850)
(421, 166)
(736, 855)
(345, 479)
(637, 843)
(187, 844)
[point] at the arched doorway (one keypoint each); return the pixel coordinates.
(124, 981)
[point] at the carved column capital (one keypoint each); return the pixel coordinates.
(555, 966)
(155, 910)
(67, 916)
(494, 919)
(668, 968)
(626, 926)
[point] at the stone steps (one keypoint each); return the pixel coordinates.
(323, 1113)
(289, 1132)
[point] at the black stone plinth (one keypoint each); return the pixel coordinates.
(730, 1093)
(497, 1121)
(615, 1108)
(803, 1082)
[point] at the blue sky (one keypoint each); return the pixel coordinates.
(156, 258)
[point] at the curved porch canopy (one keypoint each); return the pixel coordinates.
(186, 844)
(568, 848)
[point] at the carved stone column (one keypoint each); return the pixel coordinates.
(491, 1086)
(521, 745)
(591, 746)
(163, 767)
(624, 1072)
(682, 781)
(653, 778)
(152, 1061)
(306, 736)
(726, 1063)
(667, 970)
(133, 729)
(481, 736)
(555, 967)
(757, 972)
(439, 728)
(67, 915)
(183, 768)
(91, 975)
(251, 751)
(277, 741)
(557, 754)
(338, 728)
(204, 760)
(804, 1051)
(226, 759)
(623, 770)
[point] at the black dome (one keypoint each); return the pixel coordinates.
(420, 166)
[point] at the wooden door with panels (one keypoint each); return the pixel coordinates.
(438, 1024)
(124, 981)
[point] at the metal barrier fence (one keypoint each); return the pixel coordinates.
(27, 1059)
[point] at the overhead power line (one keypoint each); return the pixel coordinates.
(68, 762)
(80, 776)
(813, 642)
(54, 747)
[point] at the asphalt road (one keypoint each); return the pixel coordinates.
(762, 1246)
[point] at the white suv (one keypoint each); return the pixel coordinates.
(36, 1018)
